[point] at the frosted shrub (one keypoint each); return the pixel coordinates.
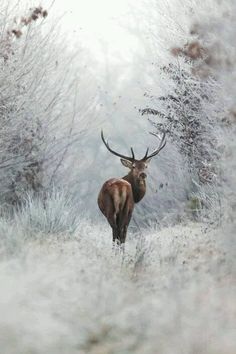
(191, 111)
(185, 115)
(50, 213)
(217, 35)
(38, 102)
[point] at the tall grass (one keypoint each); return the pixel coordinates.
(53, 213)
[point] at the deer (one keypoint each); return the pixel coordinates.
(118, 196)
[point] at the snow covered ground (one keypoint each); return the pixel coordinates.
(70, 293)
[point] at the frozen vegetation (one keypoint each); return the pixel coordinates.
(68, 292)
(64, 290)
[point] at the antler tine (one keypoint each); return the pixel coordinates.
(116, 153)
(145, 156)
(132, 152)
(160, 147)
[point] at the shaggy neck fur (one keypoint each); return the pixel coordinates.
(138, 186)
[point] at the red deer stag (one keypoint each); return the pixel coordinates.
(118, 195)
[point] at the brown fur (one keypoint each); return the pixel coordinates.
(116, 201)
(138, 186)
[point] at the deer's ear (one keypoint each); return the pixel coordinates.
(126, 163)
(148, 160)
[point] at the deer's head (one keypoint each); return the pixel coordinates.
(137, 167)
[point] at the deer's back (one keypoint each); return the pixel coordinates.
(116, 193)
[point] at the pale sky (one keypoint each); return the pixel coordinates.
(100, 25)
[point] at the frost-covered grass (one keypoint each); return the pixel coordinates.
(172, 292)
(55, 213)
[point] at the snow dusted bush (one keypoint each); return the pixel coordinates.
(51, 215)
(217, 37)
(188, 116)
(191, 111)
(38, 101)
(54, 213)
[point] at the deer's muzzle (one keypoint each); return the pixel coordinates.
(142, 175)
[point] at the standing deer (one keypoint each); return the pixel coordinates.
(118, 195)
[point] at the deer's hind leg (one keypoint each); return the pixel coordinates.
(107, 207)
(124, 220)
(112, 219)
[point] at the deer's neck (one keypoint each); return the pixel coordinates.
(138, 187)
